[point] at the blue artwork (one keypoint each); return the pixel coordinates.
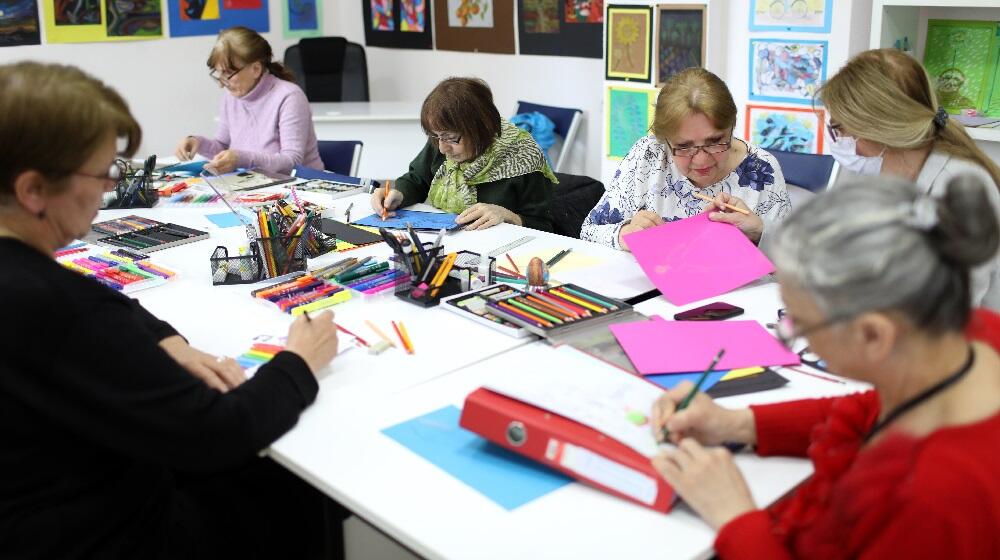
(803, 16)
(788, 71)
(190, 18)
(419, 220)
(507, 478)
(302, 15)
(785, 128)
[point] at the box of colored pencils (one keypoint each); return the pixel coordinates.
(143, 234)
(556, 311)
(119, 269)
(473, 305)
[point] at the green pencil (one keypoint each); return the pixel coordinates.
(664, 432)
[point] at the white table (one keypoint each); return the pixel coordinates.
(340, 450)
(390, 131)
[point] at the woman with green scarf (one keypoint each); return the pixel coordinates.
(475, 164)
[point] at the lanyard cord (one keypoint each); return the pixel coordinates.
(925, 395)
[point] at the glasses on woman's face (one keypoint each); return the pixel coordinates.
(110, 179)
(447, 138)
(222, 78)
(834, 130)
(691, 151)
(788, 332)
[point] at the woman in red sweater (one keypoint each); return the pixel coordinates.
(876, 279)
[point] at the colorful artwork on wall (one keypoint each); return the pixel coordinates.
(584, 11)
(958, 56)
(474, 25)
(398, 24)
(628, 118)
(789, 129)
(680, 39)
(207, 17)
(540, 16)
(785, 70)
(87, 21)
(803, 16)
(629, 42)
(19, 23)
(302, 18)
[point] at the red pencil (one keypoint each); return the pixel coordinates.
(511, 272)
(513, 264)
(347, 332)
(400, 335)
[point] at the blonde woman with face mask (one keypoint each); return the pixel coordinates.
(885, 120)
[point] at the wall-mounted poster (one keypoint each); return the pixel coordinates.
(397, 24)
(680, 39)
(19, 23)
(86, 21)
(803, 16)
(789, 129)
(207, 17)
(629, 43)
(474, 25)
(302, 18)
(628, 118)
(958, 56)
(788, 71)
(561, 27)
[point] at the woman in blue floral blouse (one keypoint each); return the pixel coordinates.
(692, 149)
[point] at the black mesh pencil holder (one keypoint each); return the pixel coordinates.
(135, 188)
(244, 269)
(318, 243)
(468, 272)
(269, 257)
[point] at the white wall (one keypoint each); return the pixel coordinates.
(165, 81)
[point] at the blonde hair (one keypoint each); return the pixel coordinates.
(52, 117)
(690, 91)
(885, 96)
(239, 46)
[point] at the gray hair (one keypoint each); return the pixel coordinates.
(879, 244)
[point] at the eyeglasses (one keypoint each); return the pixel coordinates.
(788, 332)
(834, 130)
(691, 151)
(110, 179)
(223, 80)
(452, 139)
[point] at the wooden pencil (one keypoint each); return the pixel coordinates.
(707, 198)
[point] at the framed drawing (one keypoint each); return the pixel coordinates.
(802, 16)
(19, 23)
(958, 56)
(789, 129)
(561, 27)
(629, 115)
(302, 18)
(680, 39)
(397, 24)
(786, 70)
(629, 42)
(474, 25)
(101, 20)
(190, 18)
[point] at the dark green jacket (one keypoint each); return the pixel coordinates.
(529, 196)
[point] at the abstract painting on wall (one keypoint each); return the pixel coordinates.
(787, 71)
(560, 28)
(134, 18)
(629, 43)
(803, 16)
(19, 23)
(208, 17)
(584, 11)
(382, 19)
(540, 16)
(680, 39)
(628, 118)
(397, 24)
(86, 21)
(789, 129)
(302, 18)
(412, 15)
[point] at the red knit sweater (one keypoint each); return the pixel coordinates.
(904, 497)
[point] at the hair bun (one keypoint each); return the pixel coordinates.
(967, 233)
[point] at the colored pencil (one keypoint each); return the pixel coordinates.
(381, 334)
(512, 263)
(578, 301)
(707, 198)
(589, 297)
(406, 338)
(531, 310)
(664, 432)
(349, 333)
(816, 375)
(402, 341)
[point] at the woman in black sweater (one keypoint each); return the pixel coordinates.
(111, 447)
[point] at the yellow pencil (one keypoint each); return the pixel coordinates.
(406, 337)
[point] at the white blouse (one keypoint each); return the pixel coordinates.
(648, 179)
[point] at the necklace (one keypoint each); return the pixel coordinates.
(923, 396)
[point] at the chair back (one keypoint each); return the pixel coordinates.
(341, 156)
(567, 121)
(813, 172)
(329, 69)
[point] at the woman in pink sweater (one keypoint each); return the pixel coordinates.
(265, 121)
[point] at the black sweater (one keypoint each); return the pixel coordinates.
(94, 415)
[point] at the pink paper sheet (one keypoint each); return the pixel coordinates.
(695, 258)
(661, 346)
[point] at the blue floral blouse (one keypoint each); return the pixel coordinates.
(648, 179)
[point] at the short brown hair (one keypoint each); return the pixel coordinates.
(690, 91)
(464, 106)
(53, 116)
(240, 46)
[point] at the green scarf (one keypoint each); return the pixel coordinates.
(512, 154)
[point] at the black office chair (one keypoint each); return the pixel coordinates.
(572, 199)
(329, 69)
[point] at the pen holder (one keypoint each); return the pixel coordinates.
(318, 243)
(269, 257)
(468, 272)
(135, 188)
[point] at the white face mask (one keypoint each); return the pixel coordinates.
(845, 151)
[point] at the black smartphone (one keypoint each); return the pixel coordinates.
(712, 312)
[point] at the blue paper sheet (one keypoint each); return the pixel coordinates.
(508, 479)
(671, 380)
(229, 219)
(420, 220)
(192, 168)
(303, 172)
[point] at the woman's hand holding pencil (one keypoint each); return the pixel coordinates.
(729, 209)
(314, 339)
(702, 419)
(384, 200)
